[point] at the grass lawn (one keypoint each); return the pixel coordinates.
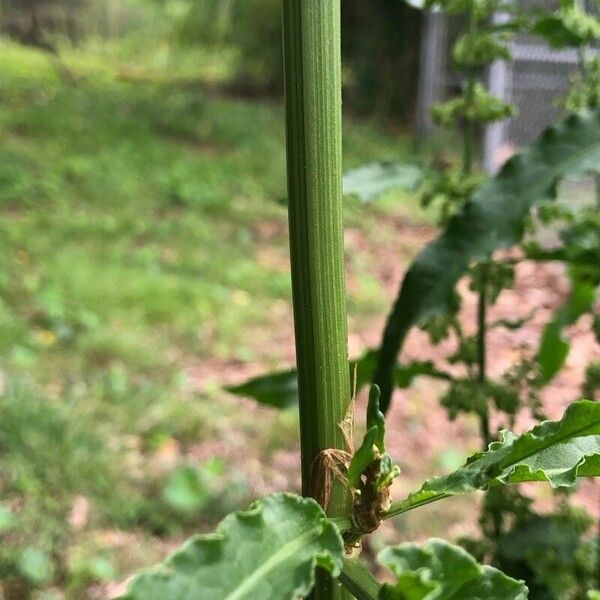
(143, 237)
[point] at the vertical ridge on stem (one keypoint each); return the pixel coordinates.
(314, 162)
(313, 118)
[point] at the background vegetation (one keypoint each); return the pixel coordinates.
(143, 263)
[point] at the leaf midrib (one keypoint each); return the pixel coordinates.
(559, 440)
(281, 555)
(441, 495)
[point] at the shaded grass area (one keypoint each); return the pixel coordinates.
(142, 227)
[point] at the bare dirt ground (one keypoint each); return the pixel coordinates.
(421, 437)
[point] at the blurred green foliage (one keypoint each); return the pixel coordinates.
(239, 41)
(252, 28)
(136, 208)
(380, 48)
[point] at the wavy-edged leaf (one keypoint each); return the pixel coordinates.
(280, 388)
(269, 551)
(438, 570)
(554, 451)
(494, 218)
(373, 180)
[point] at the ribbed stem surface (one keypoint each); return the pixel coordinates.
(313, 120)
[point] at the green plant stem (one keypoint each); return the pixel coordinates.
(469, 144)
(481, 351)
(585, 76)
(314, 161)
(469, 141)
(582, 63)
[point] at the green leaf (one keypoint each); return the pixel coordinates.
(7, 519)
(438, 570)
(494, 218)
(372, 181)
(479, 48)
(269, 551)
(513, 324)
(567, 27)
(372, 449)
(555, 33)
(186, 490)
(555, 451)
(404, 374)
(482, 107)
(388, 471)
(555, 534)
(554, 348)
(363, 457)
(36, 566)
(358, 580)
(375, 418)
(591, 383)
(552, 549)
(280, 389)
(100, 569)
